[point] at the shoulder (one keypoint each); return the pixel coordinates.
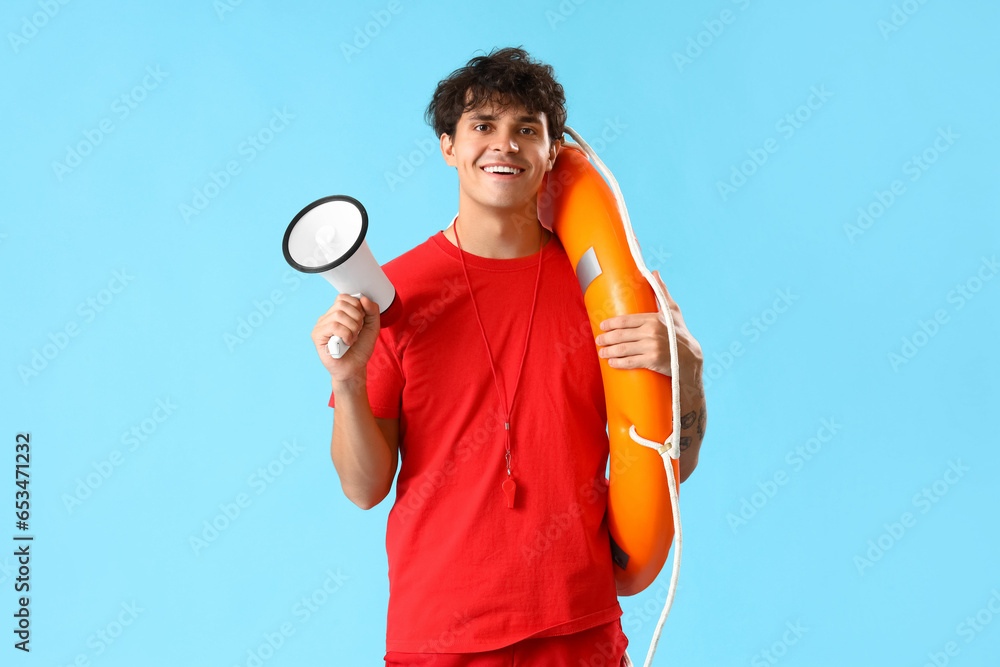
(417, 269)
(418, 276)
(419, 257)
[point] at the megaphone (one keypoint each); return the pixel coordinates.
(328, 237)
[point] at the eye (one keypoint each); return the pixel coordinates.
(480, 125)
(528, 129)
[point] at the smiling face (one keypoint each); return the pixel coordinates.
(501, 155)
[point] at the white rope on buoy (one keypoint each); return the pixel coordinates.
(670, 448)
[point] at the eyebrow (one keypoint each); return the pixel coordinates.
(523, 119)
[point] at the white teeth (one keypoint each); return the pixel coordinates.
(503, 170)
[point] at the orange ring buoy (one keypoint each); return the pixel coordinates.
(577, 204)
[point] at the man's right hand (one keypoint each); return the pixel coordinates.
(356, 321)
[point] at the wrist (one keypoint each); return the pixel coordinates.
(690, 366)
(349, 387)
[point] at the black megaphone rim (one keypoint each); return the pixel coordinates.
(340, 260)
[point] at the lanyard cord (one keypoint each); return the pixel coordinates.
(496, 383)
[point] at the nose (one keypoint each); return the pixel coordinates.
(504, 141)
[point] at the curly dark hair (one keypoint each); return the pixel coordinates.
(505, 77)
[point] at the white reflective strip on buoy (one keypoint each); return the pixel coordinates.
(587, 269)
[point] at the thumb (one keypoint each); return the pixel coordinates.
(666, 293)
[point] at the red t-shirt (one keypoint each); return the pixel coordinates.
(467, 573)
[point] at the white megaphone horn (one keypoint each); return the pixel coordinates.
(328, 237)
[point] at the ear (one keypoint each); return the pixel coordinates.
(554, 148)
(448, 150)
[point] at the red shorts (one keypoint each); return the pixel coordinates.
(603, 646)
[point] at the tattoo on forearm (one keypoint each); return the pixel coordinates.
(695, 418)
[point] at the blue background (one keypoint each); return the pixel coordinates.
(805, 552)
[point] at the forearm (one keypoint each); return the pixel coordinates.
(693, 420)
(362, 456)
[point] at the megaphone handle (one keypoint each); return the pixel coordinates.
(336, 345)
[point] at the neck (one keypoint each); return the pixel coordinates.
(498, 234)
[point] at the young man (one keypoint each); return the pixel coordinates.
(497, 542)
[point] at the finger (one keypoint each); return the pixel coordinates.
(632, 361)
(621, 336)
(666, 292)
(623, 350)
(675, 310)
(342, 319)
(628, 321)
(343, 333)
(349, 304)
(343, 323)
(338, 314)
(370, 307)
(322, 335)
